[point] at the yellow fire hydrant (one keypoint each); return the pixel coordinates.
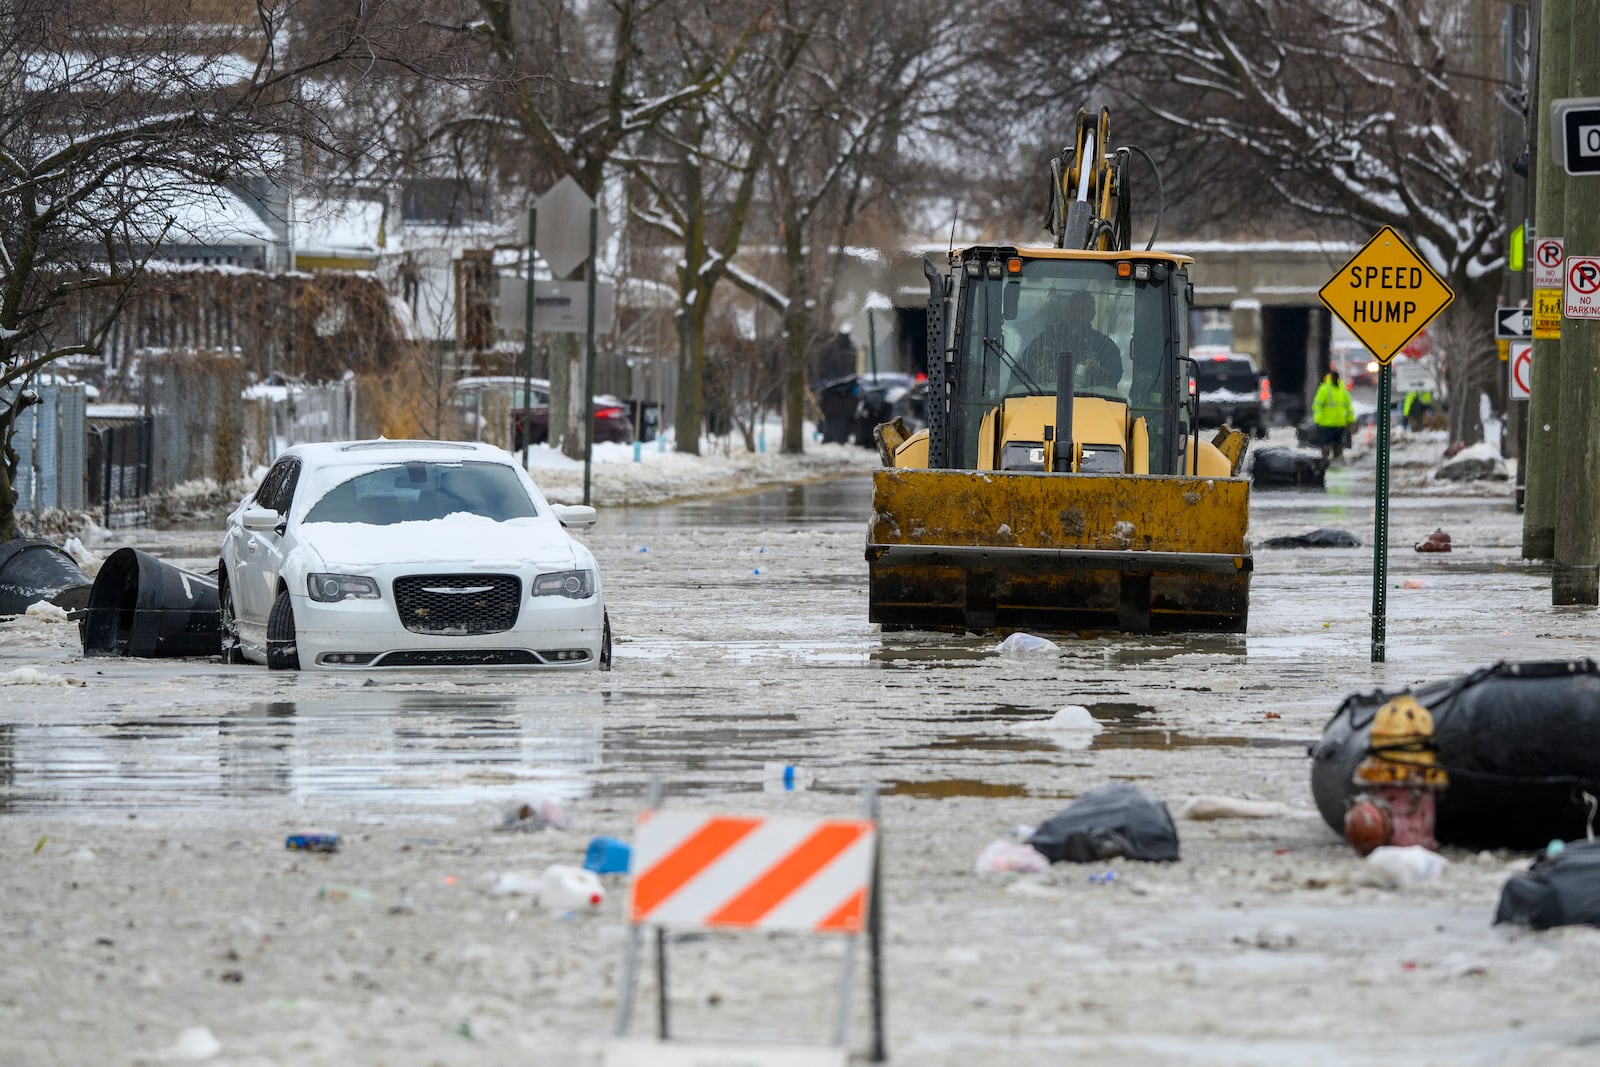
(1400, 780)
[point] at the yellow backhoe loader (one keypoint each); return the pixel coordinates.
(1061, 482)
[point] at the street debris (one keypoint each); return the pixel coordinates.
(1562, 888)
(1110, 820)
(1002, 856)
(1207, 808)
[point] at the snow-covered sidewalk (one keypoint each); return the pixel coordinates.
(657, 473)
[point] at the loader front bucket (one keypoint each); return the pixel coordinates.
(984, 550)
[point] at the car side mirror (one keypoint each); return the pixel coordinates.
(260, 519)
(574, 516)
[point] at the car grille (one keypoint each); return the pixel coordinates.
(467, 657)
(458, 605)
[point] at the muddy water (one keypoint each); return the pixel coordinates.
(742, 639)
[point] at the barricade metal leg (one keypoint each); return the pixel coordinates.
(880, 1050)
(630, 967)
(661, 984)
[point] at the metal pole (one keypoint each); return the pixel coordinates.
(1380, 525)
(663, 1030)
(588, 371)
(527, 339)
(880, 1047)
(872, 343)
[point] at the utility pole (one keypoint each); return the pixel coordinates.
(1576, 577)
(1550, 185)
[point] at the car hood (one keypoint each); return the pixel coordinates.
(456, 539)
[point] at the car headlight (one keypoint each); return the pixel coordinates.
(332, 588)
(575, 584)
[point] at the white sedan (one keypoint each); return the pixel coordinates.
(362, 554)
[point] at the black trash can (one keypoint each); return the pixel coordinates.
(143, 606)
(646, 418)
(32, 570)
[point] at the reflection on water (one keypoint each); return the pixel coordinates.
(818, 504)
(424, 749)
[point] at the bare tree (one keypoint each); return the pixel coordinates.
(575, 95)
(838, 129)
(1341, 115)
(120, 121)
(699, 189)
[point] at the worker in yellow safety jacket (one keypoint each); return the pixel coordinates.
(1334, 413)
(1415, 409)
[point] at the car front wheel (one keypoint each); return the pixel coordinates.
(281, 652)
(605, 644)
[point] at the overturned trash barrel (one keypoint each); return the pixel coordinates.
(143, 606)
(32, 570)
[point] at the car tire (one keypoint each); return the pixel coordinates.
(231, 653)
(281, 652)
(605, 643)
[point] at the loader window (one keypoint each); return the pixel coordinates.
(1011, 331)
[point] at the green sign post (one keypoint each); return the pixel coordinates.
(1386, 294)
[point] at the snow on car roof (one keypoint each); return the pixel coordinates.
(339, 453)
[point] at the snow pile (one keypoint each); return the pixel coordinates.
(658, 473)
(45, 611)
(1480, 461)
(34, 676)
(87, 559)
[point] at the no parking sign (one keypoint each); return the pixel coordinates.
(1521, 362)
(1583, 288)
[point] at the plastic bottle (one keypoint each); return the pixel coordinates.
(567, 888)
(785, 778)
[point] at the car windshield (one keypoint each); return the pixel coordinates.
(420, 491)
(1225, 375)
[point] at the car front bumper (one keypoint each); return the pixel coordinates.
(551, 633)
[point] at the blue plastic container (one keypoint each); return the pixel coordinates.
(608, 855)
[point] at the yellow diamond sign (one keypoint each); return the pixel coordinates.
(1386, 294)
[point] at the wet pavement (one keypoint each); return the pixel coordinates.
(144, 806)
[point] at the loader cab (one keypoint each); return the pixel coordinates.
(1121, 318)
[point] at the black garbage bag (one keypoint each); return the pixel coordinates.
(1111, 820)
(1284, 468)
(32, 570)
(1322, 537)
(1560, 889)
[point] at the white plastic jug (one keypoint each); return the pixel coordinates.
(567, 888)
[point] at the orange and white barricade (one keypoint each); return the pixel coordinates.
(697, 871)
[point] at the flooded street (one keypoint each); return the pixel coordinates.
(144, 805)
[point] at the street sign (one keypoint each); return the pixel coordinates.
(558, 307)
(1521, 370)
(1513, 323)
(1583, 288)
(1386, 294)
(563, 237)
(1547, 314)
(1577, 133)
(1548, 253)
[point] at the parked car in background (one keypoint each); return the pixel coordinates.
(480, 400)
(1232, 391)
(854, 405)
(364, 554)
